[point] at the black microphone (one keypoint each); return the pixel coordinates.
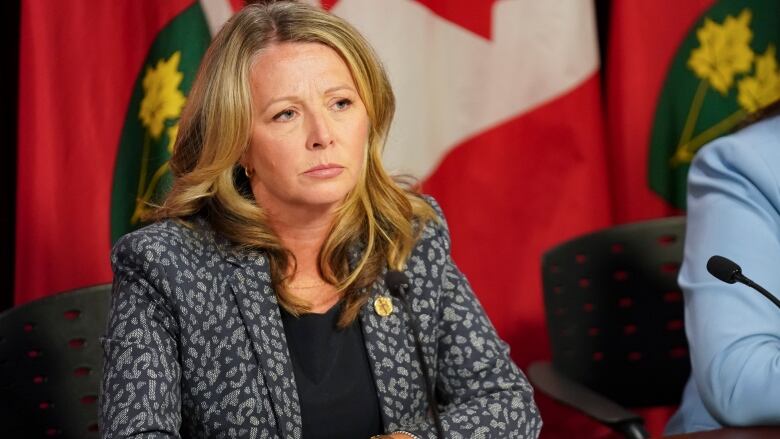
(728, 271)
(398, 283)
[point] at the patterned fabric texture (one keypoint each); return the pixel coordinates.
(195, 346)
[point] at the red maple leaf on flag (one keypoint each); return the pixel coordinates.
(474, 16)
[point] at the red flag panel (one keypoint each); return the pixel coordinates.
(78, 63)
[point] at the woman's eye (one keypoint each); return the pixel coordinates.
(284, 116)
(342, 104)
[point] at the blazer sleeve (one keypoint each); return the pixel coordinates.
(734, 332)
(485, 393)
(140, 394)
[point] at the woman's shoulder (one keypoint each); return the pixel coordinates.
(434, 227)
(164, 241)
(750, 149)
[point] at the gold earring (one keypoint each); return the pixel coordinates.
(248, 173)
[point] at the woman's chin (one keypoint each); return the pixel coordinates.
(323, 201)
(326, 196)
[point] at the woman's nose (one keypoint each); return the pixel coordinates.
(320, 135)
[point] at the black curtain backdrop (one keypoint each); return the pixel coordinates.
(9, 80)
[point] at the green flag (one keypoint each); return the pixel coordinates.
(142, 175)
(724, 69)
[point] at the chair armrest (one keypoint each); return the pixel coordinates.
(567, 391)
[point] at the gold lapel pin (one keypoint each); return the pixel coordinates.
(383, 306)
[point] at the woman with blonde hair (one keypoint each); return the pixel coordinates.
(289, 287)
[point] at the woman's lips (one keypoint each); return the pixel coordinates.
(324, 171)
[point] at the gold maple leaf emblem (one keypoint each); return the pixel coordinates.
(162, 101)
(162, 98)
(724, 51)
(763, 88)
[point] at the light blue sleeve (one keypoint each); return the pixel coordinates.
(734, 332)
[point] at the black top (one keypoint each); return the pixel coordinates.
(335, 384)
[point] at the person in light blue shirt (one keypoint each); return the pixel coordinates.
(733, 332)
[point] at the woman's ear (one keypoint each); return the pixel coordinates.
(245, 163)
(244, 159)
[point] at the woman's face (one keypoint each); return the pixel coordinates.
(309, 129)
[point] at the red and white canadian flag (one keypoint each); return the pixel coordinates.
(499, 114)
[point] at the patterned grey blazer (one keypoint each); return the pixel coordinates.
(195, 346)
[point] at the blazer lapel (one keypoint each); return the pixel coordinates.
(251, 283)
(393, 360)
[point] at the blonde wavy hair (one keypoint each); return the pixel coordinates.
(380, 217)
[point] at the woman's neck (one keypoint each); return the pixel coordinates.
(303, 233)
(305, 241)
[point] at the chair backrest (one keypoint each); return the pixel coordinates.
(615, 311)
(51, 365)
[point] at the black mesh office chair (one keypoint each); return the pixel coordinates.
(51, 365)
(615, 322)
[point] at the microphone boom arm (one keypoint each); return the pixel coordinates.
(745, 280)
